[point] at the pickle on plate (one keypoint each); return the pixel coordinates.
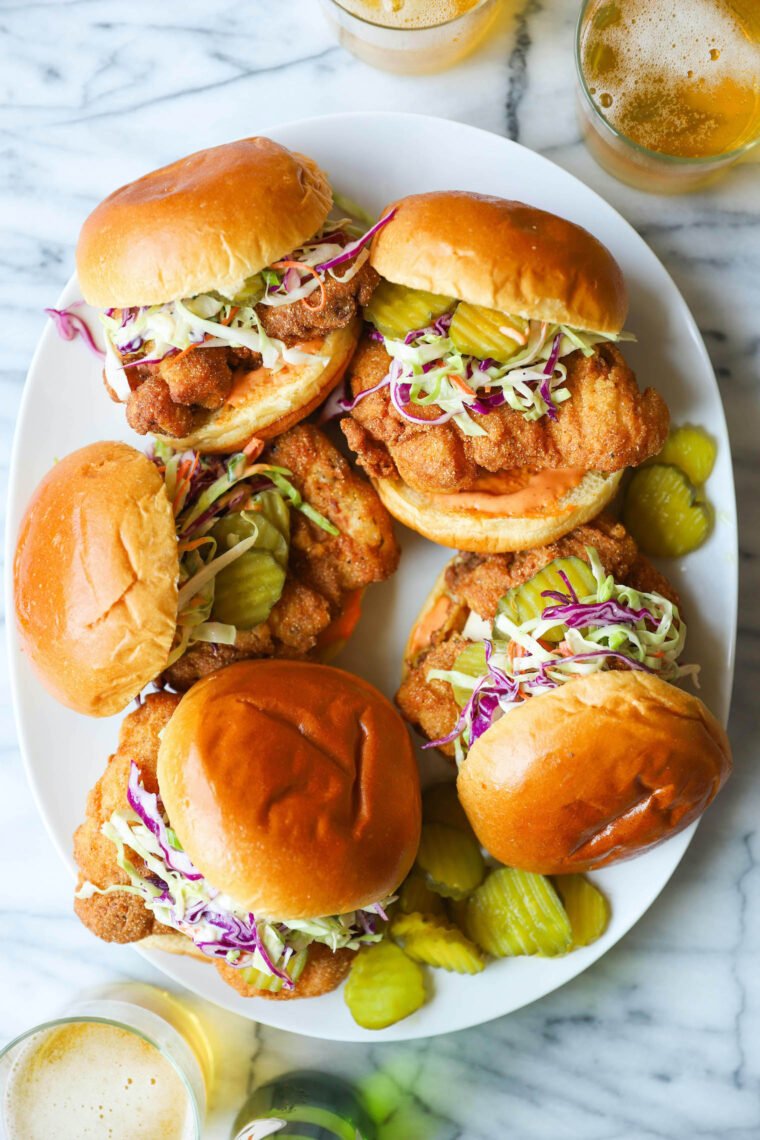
(395, 310)
(457, 912)
(527, 600)
(472, 662)
(484, 333)
(436, 943)
(263, 981)
(450, 859)
(586, 906)
(441, 804)
(663, 514)
(384, 986)
(691, 449)
(518, 912)
(415, 896)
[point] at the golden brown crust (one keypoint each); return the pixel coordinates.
(322, 814)
(96, 578)
(593, 772)
(180, 230)
(119, 917)
(504, 255)
(324, 971)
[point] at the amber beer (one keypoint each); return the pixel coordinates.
(670, 89)
(410, 36)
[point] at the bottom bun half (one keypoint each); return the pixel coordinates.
(482, 533)
(272, 402)
(598, 770)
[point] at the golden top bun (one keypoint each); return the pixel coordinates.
(504, 255)
(595, 771)
(96, 578)
(293, 787)
(487, 533)
(206, 222)
(274, 401)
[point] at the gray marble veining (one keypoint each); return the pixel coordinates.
(661, 1039)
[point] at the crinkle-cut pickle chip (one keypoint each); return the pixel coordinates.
(527, 600)
(263, 981)
(415, 896)
(450, 859)
(441, 804)
(472, 662)
(384, 986)
(662, 513)
(691, 449)
(247, 589)
(586, 907)
(395, 310)
(518, 912)
(436, 943)
(484, 333)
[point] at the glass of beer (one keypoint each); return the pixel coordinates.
(668, 90)
(410, 36)
(130, 1064)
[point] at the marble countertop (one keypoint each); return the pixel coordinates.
(660, 1039)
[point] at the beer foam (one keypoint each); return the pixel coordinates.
(91, 1081)
(408, 13)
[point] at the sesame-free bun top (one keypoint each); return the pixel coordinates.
(96, 578)
(597, 770)
(293, 787)
(206, 222)
(502, 255)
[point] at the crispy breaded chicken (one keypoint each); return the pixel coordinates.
(324, 570)
(478, 581)
(607, 424)
(325, 969)
(119, 916)
(301, 320)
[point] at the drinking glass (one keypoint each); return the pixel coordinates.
(382, 41)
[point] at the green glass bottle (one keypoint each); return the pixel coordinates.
(304, 1106)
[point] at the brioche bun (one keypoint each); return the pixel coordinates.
(503, 255)
(488, 533)
(595, 771)
(95, 578)
(276, 401)
(206, 222)
(293, 788)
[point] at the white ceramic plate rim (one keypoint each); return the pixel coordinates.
(336, 1023)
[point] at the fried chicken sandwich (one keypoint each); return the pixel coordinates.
(489, 401)
(551, 676)
(229, 300)
(260, 823)
(131, 568)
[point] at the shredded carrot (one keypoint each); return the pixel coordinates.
(231, 315)
(254, 447)
(312, 270)
(341, 628)
(514, 649)
(185, 475)
(545, 644)
(196, 542)
(461, 384)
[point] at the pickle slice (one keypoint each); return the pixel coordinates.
(384, 986)
(691, 449)
(472, 662)
(518, 912)
(263, 981)
(527, 601)
(587, 908)
(450, 859)
(395, 310)
(415, 897)
(270, 520)
(440, 804)
(436, 943)
(457, 912)
(662, 513)
(246, 590)
(485, 333)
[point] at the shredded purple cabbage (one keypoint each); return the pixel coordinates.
(145, 805)
(581, 615)
(353, 247)
(69, 325)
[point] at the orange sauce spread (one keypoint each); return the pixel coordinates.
(343, 626)
(245, 382)
(427, 626)
(518, 493)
